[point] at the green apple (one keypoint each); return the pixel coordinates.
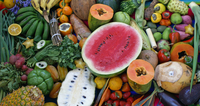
(122, 17)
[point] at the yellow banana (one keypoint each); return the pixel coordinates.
(43, 4)
(36, 5)
(50, 4)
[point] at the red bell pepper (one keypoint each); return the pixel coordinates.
(163, 56)
(174, 37)
(190, 41)
(2, 6)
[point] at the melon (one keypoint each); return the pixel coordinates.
(110, 49)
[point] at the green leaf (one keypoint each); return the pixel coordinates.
(3, 83)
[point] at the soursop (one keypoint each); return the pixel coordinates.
(177, 6)
(163, 1)
(78, 88)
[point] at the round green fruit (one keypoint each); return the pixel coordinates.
(122, 17)
(176, 18)
(157, 36)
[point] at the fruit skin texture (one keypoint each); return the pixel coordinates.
(42, 79)
(24, 96)
(100, 82)
(122, 17)
(177, 6)
(176, 18)
(115, 83)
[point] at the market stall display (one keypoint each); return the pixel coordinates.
(99, 52)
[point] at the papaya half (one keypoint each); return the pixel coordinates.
(180, 50)
(140, 74)
(99, 14)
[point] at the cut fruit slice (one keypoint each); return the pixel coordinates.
(65, 28)
(42, 43)
(14, 29)
(41, 65)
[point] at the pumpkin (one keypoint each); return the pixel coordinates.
(114, 4)
(81, 8)
(140, 74)
(180, 50)
(99, 14)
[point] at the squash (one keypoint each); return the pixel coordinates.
(99, 14)
(140, 74)
(81, 8)
(114, 4)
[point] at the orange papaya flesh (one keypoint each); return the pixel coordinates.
(140, 74)
(180, 50)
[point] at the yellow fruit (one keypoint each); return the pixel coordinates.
(50, 104)
(100, 82)
(9, 3)
(65, 28)
(14, 29)
(115, 83)
(24, 96)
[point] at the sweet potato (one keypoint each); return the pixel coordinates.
(187, 19)
(79, 27)
(183, 35)
(181, 27)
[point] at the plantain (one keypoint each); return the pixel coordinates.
(36, 5)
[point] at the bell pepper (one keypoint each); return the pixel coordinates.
(188, 60)
(2, 6)
(190, 41)
(163, 56)
(42, 79)
(174, 37)
(156, 17)
(165, 22)
(166, 15)
(159, 8)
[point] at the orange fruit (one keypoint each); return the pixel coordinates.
(68, 1)
(73, 38)
(67, 10)
(62, 4)
(14, 29)
(63, 19)
(9, 3)
(115, 83)
(65, 29)
(81, 42)
(59, 12)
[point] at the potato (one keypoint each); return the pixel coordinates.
(173, 76)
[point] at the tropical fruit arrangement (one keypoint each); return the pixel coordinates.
(99, 53)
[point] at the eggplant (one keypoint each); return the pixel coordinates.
(169, 99)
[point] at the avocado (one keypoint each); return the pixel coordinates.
(189, 98)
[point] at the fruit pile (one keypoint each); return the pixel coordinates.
(99, 52)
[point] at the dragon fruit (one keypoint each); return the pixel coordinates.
(177, 6)
(78, 88)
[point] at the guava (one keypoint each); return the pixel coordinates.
(122, 17)
(176, 18)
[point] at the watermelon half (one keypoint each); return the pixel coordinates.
(110, 49)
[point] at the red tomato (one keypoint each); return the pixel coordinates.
(126, 95)
(128, 103)
(130, 99)
(116, 95)
(126, 87)
(109, 102)
(116, 102)
(124, 77)
(122, 103)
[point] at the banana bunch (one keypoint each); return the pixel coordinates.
(46, 5)
(33, 24)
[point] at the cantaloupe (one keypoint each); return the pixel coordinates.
(140, 74)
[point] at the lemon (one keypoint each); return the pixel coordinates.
(9, 3)
(100, 82)
(14, 29)
(115, 83)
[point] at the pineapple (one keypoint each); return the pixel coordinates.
(178, 7)
(24, 96)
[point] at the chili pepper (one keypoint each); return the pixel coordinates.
(174, 37)
(163, 55)
(166, 15)
(190, 41)
(165, 22)
(188, 60)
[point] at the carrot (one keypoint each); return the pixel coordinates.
(105, 96)
(137, 101)
(79, 27)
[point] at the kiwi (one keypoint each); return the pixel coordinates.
(149, 56)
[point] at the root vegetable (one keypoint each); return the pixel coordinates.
(18, 64)
(12, 59)
(186, 19)
(183, 35)
(24, 68)
(181, 27)
(22, 59)
(28, 71)
(24, 77)
(18, 55)
(149, 56)
(79, 27)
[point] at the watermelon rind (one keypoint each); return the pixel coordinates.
(116, 70)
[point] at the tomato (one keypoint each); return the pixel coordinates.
(128, 103)
(122, 103)
(67, 10)
(130, 99)
(126, 95)
(109, 102)
(116, 102)
(126, 87)
(116, 95)
(124, 77)
(73, 38)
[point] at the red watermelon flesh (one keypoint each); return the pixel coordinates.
(111, 48)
